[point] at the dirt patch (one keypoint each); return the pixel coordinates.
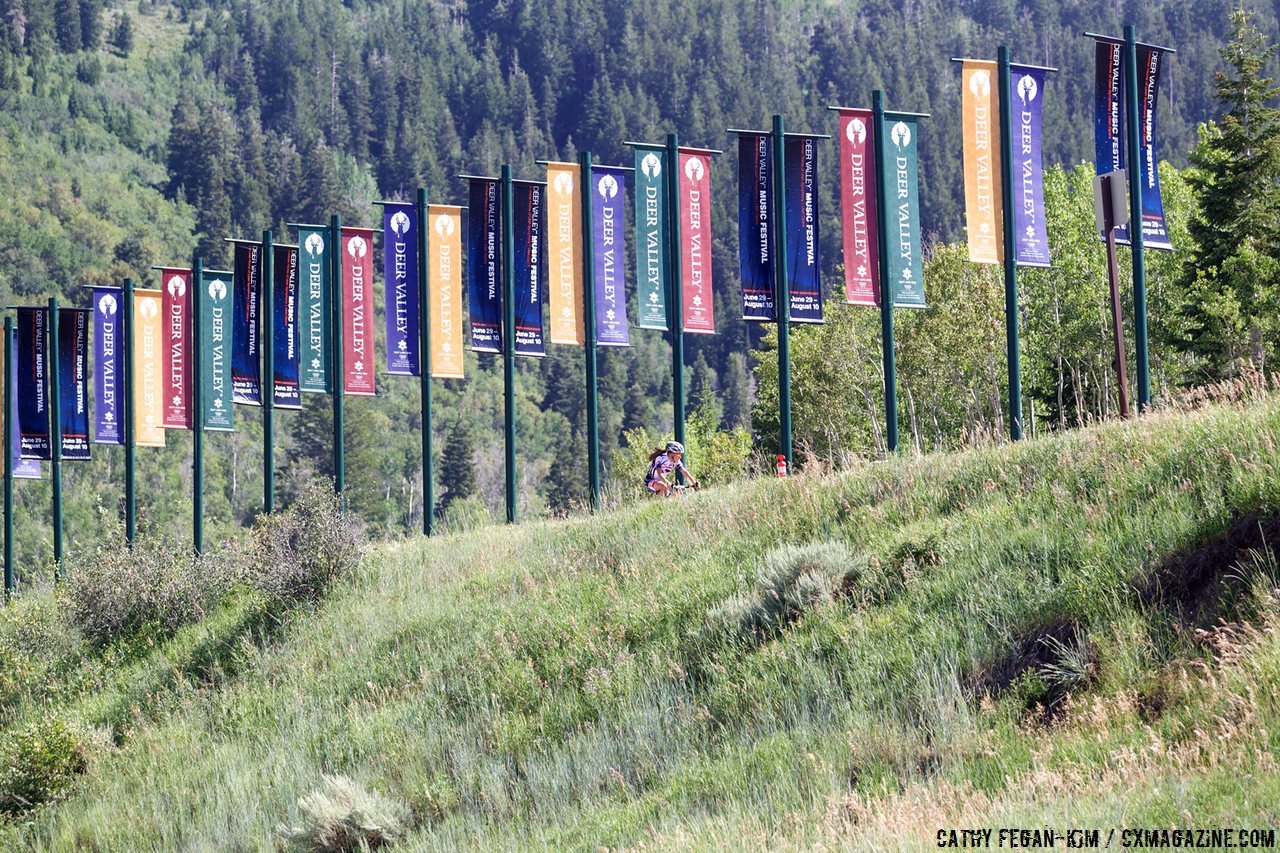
(1191, 584)
(1053, 655)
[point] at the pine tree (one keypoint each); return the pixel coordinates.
(702, 387)
(122, 34)
(456, 471)
(66, 19)
(91, 24)
(737, 394)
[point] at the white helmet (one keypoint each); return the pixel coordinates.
(675, 447)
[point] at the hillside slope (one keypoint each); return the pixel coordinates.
(1004, 636)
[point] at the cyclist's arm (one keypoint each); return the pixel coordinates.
(688, 473)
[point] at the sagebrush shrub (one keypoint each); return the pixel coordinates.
(344, 816)
(296, 554)
(39, 764)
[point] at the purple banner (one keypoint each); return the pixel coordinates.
(400, 277)
(73, 382)
(608, 197)
(755, 194)
(23, 469)
(1155, 233)
(527, 204)
(32, 389)
(801, 206)
(1031, 238)
(108, 365)
(484, 258)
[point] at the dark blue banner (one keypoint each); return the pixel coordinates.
(755, 192)
(608, 197)
(284, 293)
(33, 384)
(246, 283)
(804, 281)
(400, 277)
(484, 256)
(1155, 234)
(73, 382)
(108, 365)
(23, 469)
(530, 245)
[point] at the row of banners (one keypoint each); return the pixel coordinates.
(870, 167)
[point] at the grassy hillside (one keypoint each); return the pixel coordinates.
(1025, 635)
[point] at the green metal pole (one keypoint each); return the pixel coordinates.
(782, 287)
(130, 472)
(197, 405)
(1010, 249)
(8, 460)
(675, 305)
(55, 431)
(509, 337)
(335, 311)
(424, 368)
(589, 324)
(1135, 215)
(266, 320)
(886, 292)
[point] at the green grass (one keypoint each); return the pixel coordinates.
(558, 684)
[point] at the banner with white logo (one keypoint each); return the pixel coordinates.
(357, 311)
(33, 384)
(801, 204)
(175, 284)
(695, 242)
(23, 469)
(246, 355)
(313, 311)
(444, 290)
(755, 249)
(215, 299)
(284, 334)
(400, 278)
(108, 365)
(484, 266)
(980, 107)
(608, 200)
(73, 382)
(148, 369)
(564, 201)
(527, 203)
(858, 209)
(901, 180)
(1030, 233)
(651, 239)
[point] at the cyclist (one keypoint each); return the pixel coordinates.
(662, 461)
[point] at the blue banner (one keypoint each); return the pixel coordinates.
(530, 245)
(33, 383)
(23, 469)
(484, 265)
(804, 279)
(608, 200)
(246, 283)
(73, 382)
(284, 293)
(1155, 234)
(755, 193)
(108, 365)
(400, 277)
(1030, 235)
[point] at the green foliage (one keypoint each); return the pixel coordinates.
(714, 456)
(38, 763)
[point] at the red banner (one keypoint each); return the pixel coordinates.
(357, 311)
(858, 208)
(695, 242)
(176, 378)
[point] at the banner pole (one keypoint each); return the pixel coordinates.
(675, 304)
(509, 337)
(197, 405)
(130, 472)
(335, 341)
(266, 322)
(589, 317)
(886, 293)
(8, 460)
(1010, 248)
(782, 287)
(424, 368)
(54, 383)
(1136, 239)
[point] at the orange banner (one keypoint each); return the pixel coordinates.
(564, 208)
(444, 289)
(980, 105)
(148, 381)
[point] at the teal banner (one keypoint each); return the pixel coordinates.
(651, 239)
(215, 343)
(901, 180)
(313, 310)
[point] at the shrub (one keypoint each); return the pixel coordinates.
(344, 816)
(296, 554)
(40, 762)
(465, 514)
(714, 455)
